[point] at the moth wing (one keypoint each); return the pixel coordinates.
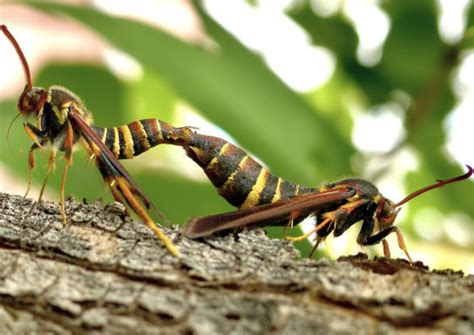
(293, 207)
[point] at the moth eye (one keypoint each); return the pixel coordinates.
(387, 209)
(34, 98)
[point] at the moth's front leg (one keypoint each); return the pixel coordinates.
(37, 136)
(31, 166)
(365, 237)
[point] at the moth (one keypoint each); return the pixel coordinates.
(264, 199)
(63, 121)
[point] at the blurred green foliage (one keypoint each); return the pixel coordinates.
(303, 138)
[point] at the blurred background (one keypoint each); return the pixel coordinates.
(315, 90)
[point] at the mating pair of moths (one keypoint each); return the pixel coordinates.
(262, 198)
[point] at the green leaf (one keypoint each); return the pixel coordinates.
(149, 97)
(413, 49)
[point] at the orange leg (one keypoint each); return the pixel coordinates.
(312, 231)
(293, 215)
(34, 133)
(63, 182)
(132, 201)
(288, 227)
(31, 166)
(68, 143)
(386, 248)
(52, 158)
(402, 245)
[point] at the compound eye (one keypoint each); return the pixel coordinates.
(388, 214)
(33, 98)
(32, 101)
(387, 209)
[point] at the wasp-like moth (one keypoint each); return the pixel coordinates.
(62, 121)
(267, 200)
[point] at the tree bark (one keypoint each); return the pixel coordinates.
(105, 273)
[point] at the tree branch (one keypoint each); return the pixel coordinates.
(107, 273)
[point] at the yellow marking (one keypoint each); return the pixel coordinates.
(323, 188)
(62, 112)
(257, 188)
(104, 136)
(197, 151)
(216, 158)
(143, 136)
(128, 139)
(116, 148)
(277, 194)
(230, 179)
(297, 191)
(39, 117)
(159, 134)
(377, 198)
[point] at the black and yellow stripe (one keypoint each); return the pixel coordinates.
(238, 177)
(242, 181)
(135, 138)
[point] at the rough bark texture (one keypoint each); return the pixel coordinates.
(105, 273)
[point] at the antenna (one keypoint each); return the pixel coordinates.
(440, 183)
(29, 85)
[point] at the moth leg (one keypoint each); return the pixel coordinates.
(31, 166)
(316, 245)
(386, 248)
(288, 226)
(68, 144)
(294, 215)
(34, 133)
(401, 243)
(337, 216)
(37, 137)
(52, 159)
(380, 236)
(312, 231)
(132, 201)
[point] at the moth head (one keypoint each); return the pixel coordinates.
(32, 100)
(386, 212)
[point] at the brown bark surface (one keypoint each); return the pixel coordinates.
(106, 273)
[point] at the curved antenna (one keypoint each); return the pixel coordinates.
(8, 131)
(440, 183)
(12, 39)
